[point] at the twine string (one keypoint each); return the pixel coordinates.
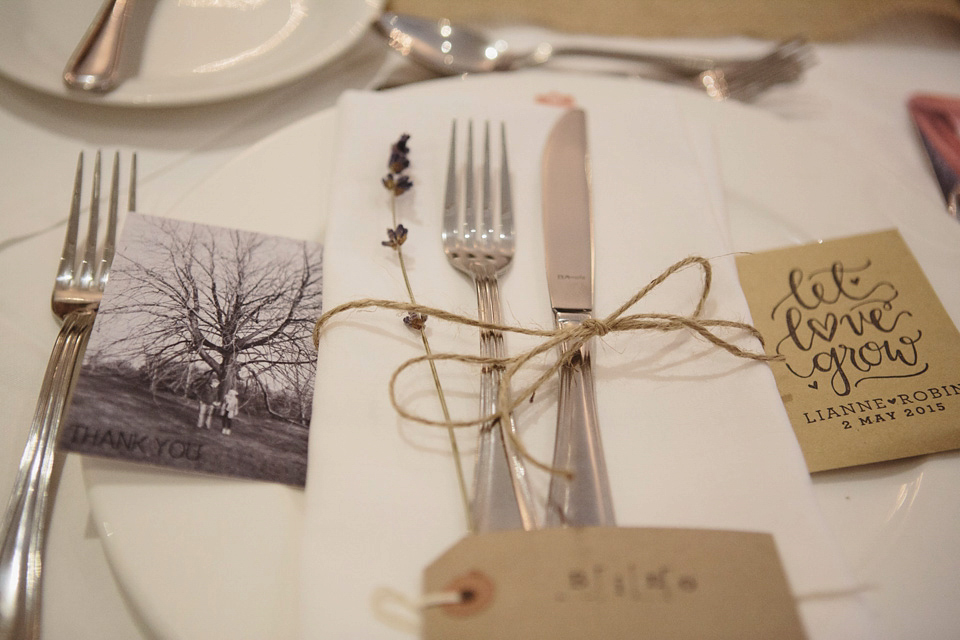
(568, 339)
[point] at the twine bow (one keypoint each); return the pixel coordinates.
(569, 339)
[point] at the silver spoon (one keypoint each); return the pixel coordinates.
(94, 65)
(453, 50)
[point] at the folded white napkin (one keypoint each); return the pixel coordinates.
(693, 436)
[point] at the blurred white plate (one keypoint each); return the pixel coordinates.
(183, 51)
(203, 558)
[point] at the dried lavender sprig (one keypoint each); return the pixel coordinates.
(397, 182)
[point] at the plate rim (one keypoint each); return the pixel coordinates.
(52, 85)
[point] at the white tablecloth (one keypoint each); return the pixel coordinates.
(857, 93)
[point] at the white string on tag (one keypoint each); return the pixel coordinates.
(402, 613)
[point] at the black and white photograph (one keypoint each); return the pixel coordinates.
(201, 357)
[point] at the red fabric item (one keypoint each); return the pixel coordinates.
(938, 121)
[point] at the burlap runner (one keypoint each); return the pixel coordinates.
(773, 19)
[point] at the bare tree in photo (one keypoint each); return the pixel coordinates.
(198, 301)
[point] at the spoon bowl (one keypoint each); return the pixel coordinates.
(440, 46)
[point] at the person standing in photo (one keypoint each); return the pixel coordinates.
(231, 405)
(208, 402)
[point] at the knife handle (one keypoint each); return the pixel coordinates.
(583, 500)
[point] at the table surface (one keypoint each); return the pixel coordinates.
(857, 92)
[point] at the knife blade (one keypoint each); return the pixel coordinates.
(584, 498)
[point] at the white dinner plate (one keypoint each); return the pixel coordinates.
(204, 558)
(183, 51)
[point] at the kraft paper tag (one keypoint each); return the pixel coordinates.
(871, 357)
(612, 583)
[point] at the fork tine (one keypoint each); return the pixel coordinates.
(68, 256)
(90, 250)
(132, 195)
(450, 198)
(486, 220)
(506, 196)
(110, 241)
(470, 207)
(771, 71)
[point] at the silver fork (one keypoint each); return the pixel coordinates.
(478, 248)
(76, 297)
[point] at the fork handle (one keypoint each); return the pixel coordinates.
(680, 65)
(502, 495)
(520, 480)
(27, 517)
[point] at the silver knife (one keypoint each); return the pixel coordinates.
(584, 499)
